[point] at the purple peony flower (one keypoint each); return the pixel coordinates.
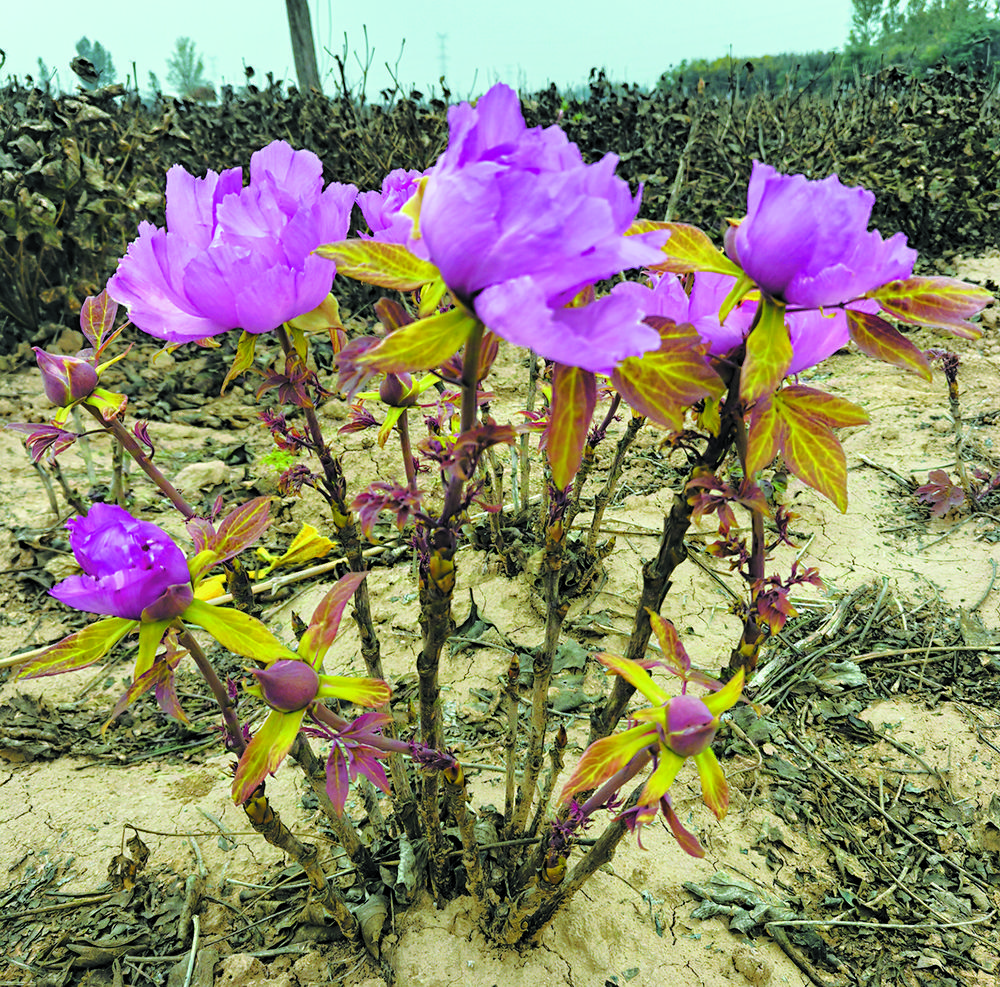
(66, 379)
(131, 568)
(234, 257)
(382, 210)
(807, 242)
(518, 225)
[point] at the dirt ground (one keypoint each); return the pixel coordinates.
(862, 844)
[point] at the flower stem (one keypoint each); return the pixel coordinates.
(121, 434)
(231, 722)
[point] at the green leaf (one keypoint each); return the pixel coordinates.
(430, 297)
(688, 249)
(325, 622)
(150, 635)
(876, 338)
(237, 632)
(421, 345)
(663, 383)
(80, 649)
(942, 303)
(389, 265)
(574, 397)
(769, 352)
(265, 752)
(243, 361)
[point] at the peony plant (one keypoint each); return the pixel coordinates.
(504, 241)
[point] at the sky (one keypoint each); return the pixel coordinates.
(527, 43)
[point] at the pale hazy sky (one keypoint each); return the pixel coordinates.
(527, 43)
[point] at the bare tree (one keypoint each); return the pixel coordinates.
(303, 47)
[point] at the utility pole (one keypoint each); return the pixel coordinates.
(303, 48)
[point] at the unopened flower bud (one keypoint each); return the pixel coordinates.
(691, 726)
(287, 685)
(397, 391)
(66, 379)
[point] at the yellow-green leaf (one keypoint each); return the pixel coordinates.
(574, 397)
(765, 436)
(812, 451)
(688, 249)
(389, 265)
(768, 353)
(80, 649)
(421, 345)
(663, 383)
(243, 361)
(265, 752)
(606, 756)
(237, 632)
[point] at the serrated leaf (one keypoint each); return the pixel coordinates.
(876, 338)
(943, 303)
(388, 265)
(812, 452)
(661, 384)
(688, 249)
(768, 353)
(574, 397)
(238, 632)
(325, 622)
(421, 345)
(243, 360)
(80, 649)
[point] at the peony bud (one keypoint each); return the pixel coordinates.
(288, 685)
(691, 726)
(397, 391)
(67, 379)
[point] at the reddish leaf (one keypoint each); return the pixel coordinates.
(941, 493)
(322, 629)
(663, 383)
(240, 529)
(769, 353)
(389, 265)
(876, 338)
(97, 319)
(574, 397)
(675, 658)
(943, 303)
